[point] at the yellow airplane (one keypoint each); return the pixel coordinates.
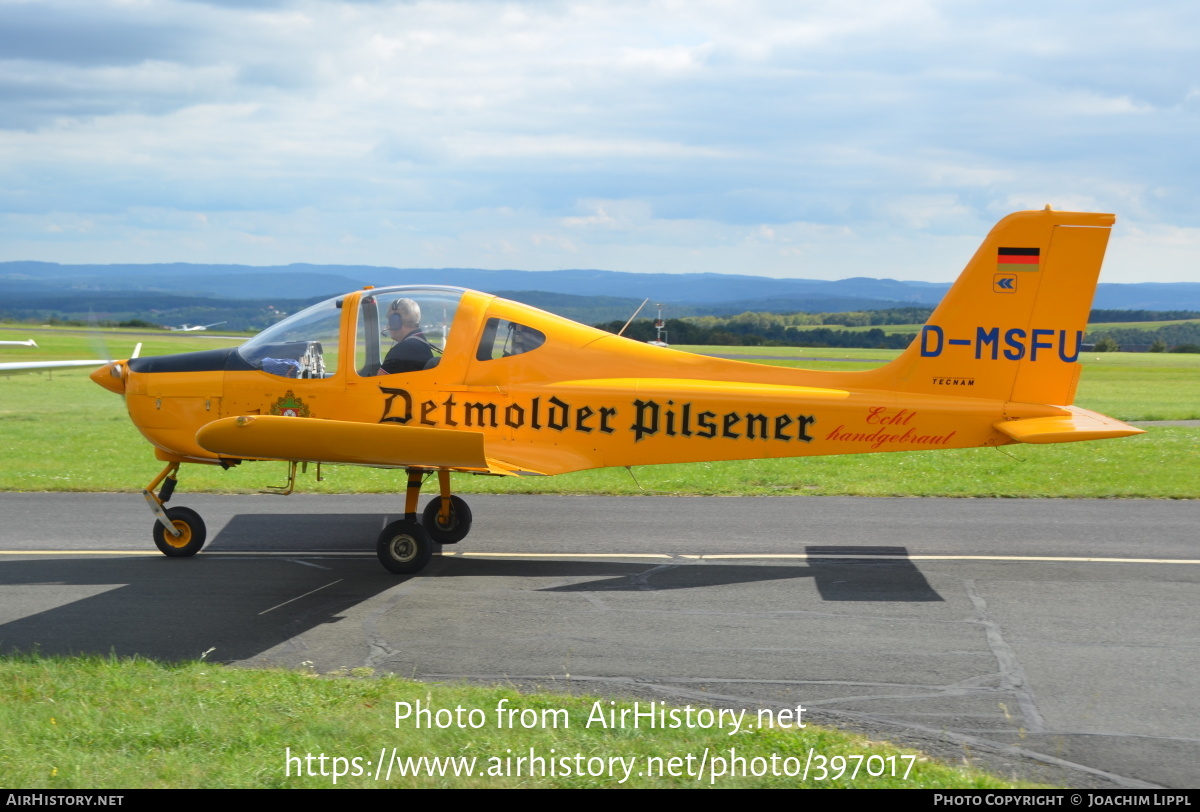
(439, 379)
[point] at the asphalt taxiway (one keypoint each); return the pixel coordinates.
(1055, 639)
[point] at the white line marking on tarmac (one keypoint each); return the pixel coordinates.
(294, 554)
(306, 564)
(807, 557)
(298, 597)
(79, 552)
(1079, 559)
(555, 555)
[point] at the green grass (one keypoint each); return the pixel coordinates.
(854, 360)
(64, 343)
(1142, 386)
(1100, 327)
(793, 352)
(103, 723)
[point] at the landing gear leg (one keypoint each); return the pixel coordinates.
(404, 547)
(447, 519)
(178, 532)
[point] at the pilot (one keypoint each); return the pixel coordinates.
(411, 352)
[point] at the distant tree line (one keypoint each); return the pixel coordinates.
(1182, 337)
(1111, 316)
(789, 329)
(759, 333)
(145, 310)
(851, 318)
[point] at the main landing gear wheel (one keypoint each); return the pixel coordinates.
(458, 527)
(192, 533)
(404, 547)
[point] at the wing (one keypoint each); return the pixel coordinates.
(18, 367)
(377, 444)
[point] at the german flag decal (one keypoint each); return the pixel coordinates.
(1018, 259)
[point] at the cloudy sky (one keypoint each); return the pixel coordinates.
(795, 138)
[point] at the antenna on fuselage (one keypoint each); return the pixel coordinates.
(634, 316)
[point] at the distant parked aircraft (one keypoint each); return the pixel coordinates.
(188, 328)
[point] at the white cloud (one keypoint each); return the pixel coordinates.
(628, 135)
(600, 218)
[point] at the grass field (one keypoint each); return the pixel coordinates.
(61, 432)
(62, 343)
(1098, 327)
(1136, 325)
(94, 723)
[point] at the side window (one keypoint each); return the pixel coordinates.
(503, 338)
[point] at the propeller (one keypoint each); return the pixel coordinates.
(112, 375)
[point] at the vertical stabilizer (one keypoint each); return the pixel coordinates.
(1011, 327)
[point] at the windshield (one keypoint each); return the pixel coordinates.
(304, 345)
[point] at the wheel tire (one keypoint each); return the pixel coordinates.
(192, 533)
(404, 547)
(460, 520)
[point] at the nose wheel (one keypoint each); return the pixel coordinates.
(190, 527)
(178, 532)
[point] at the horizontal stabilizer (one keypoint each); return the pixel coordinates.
(303, 439)
(1068, 428)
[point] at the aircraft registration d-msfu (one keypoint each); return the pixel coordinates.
(439, 379)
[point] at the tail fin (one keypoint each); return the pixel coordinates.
(1010, 328)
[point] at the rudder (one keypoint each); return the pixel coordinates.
(1010, 327)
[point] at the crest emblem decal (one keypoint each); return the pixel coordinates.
(290, 406)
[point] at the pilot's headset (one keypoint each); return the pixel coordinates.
(395, 322)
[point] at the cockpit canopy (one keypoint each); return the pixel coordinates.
(397, 330)
(306, 344)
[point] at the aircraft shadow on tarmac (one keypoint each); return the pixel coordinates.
(177, 609)
(845, 579)
(172, 610)
(891, 578)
